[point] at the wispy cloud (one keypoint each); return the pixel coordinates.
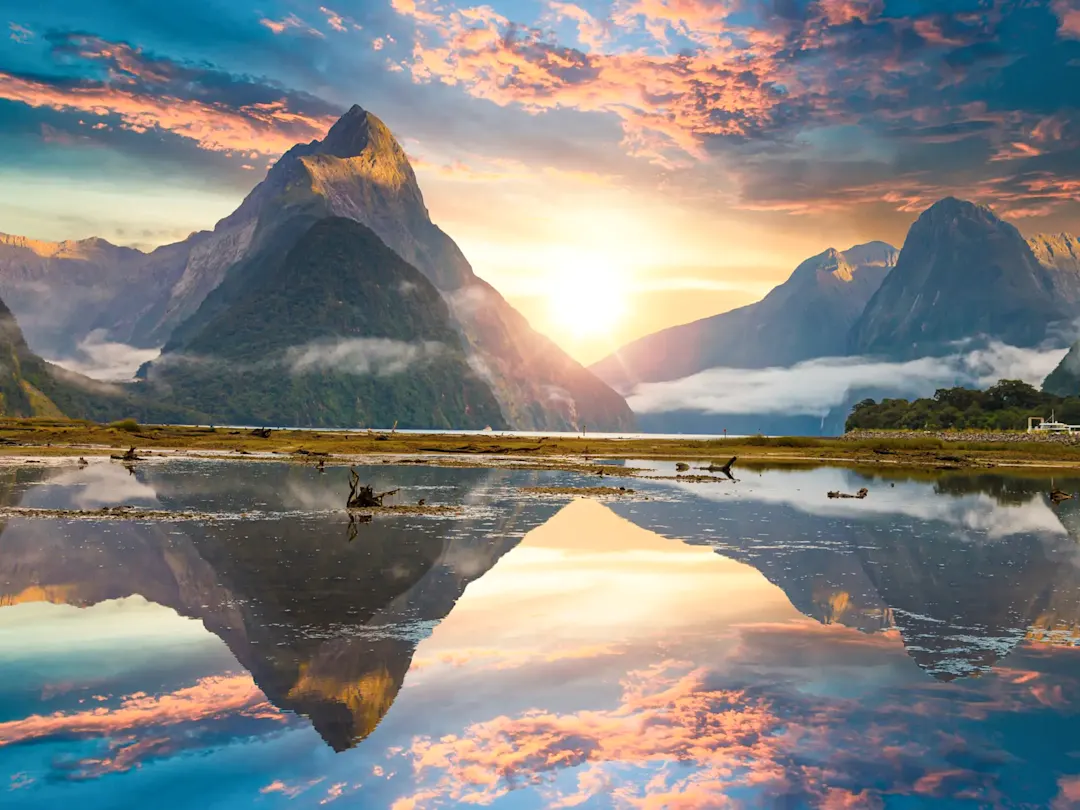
(107, 360)
(290, 23)
(209, 698)
(380, 356)
(20, 33)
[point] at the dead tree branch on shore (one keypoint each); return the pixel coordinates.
(364, 497)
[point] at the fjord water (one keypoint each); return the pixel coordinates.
(694, 645)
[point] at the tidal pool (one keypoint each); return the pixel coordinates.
(693, 645)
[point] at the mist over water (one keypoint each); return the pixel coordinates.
(815, 387)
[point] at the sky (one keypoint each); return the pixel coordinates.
(681, 155)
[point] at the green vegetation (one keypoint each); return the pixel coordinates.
(1006, 405)
(32, 387)
(129, 425)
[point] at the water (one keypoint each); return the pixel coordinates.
(697, 645)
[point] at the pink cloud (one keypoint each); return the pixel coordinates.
(1068, 14)
(591, 32)
(334, 20)
(210, 698)
(838, 12)
(20, 33)
(667, 713)
(1068, 797)
(292, 791)
(268, 128)
(290, 23)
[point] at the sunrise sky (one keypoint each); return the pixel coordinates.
(683, 154)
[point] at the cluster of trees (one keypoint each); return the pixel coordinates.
(1003, 406)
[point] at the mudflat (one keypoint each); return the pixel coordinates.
(23, 440)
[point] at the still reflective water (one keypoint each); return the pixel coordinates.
(696, 645)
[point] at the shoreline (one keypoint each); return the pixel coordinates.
(45, 441)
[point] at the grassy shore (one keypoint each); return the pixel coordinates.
(45, 437)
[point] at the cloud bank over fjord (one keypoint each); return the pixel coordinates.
(106, 360)
(815, 387)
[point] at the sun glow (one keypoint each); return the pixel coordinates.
(587, 300)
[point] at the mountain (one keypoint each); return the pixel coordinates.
(964, 273)
(809, 315)
(360, 172)
(338, 331)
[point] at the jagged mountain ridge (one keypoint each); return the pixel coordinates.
(807, 316)
(360, 172)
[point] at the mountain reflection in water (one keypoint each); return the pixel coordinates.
(748, 643)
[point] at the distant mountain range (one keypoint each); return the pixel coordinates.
(963, 276)
(175, 295)
(809, 315)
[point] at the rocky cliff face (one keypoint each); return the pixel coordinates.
(962, 273)
(809, 315)
(1060, 254)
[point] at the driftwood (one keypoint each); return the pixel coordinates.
(364, 497)
(261, 433)
(862, 493)
(1057, 496)
(724, 468)
(129, 456)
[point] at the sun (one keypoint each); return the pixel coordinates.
(587, 301)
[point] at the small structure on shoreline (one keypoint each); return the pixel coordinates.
(1036, 424)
